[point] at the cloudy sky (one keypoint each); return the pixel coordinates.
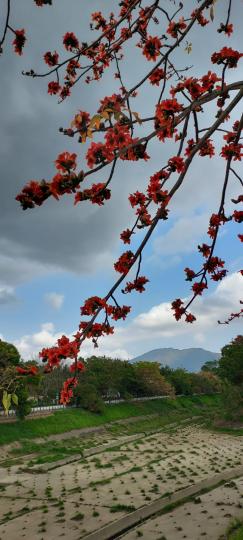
(54, 257)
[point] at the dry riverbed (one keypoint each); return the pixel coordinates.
(73, 500)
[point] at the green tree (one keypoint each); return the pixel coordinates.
(24, 403)
(9, 355)
(179, 378)
(211, 366)
(87, 397)
(151, 381)
(231, 362)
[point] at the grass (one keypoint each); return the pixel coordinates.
(169, 410)
(235, 530)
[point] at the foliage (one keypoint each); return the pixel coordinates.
(211, 366)
(231, 361)
(179, 378)
(24, 403)
(87, 397)
(151, 381)
(9, 355)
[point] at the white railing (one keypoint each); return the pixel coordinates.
(107, 402)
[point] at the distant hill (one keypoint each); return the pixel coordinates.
(189, 359)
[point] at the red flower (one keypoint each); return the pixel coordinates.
(113, 102)
(51, 59)
(167, 108)
(238, 216)
(97, 194)
(53, 87)
(232, 150)
(81, 121)
(207, 149)
(190, 145)
(19, 41)
(213, 263)
(200, 18)
(21, 371)
(92, 304)
(66, 161)
(176, 163)
(240, 236)
(226, 28)
(137, 285)
(204, 249)
(117, 312)
(152, 48)
(175, 28)
(190, 274)
(78, 366)
(70, 41)
(98, 153)
(124, 262)
(198, 288)
(96, 329)
(154, 190)
(226, 56)
(157, 76)
(217, 276)
(208, 81)
(176, 306)
(125, 236)
(190, 318)
(137, 198)
(33, 194)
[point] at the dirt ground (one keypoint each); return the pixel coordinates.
(75, 499)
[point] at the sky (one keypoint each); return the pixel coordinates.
(54, 257)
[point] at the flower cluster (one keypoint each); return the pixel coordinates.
(64, 349)
(70, 41)
(124, 262)
(136, 285)
(227, 56)
(157, 76)
(29, 370)
(51, 59)
(19, 41)
(152, 48)
(99, 153)
(67, 390)
(96, 330)
(176, 28)
(97, 194)
(196, 87)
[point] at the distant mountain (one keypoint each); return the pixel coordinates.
(189, 359)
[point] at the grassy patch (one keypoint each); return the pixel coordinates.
(235, 530)
(169, 410)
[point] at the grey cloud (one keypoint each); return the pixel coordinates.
(59, 236)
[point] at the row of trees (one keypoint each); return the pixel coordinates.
(107, 379)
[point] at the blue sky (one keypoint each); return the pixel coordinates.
(54, 257)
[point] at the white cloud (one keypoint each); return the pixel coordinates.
(54, 300)
(30, 345)
(208, 309)
(158, 327)
(7, 295)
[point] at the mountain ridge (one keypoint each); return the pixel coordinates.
(191, 359)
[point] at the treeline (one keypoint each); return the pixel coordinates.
(108, 379)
